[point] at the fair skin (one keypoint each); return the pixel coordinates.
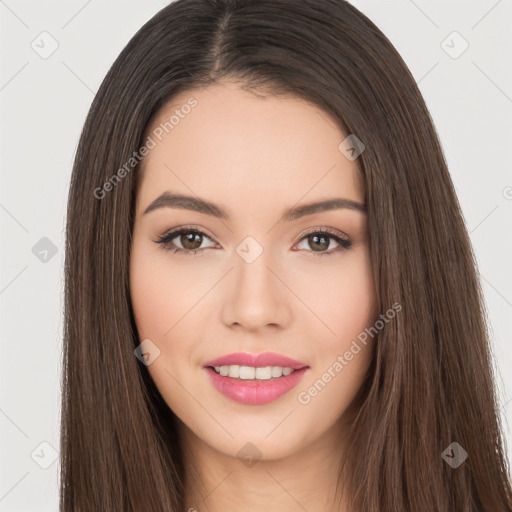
(256, 158)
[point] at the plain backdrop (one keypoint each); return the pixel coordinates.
(459, 53)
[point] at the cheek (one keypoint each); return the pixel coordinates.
(161, 294)
(345, 298)
(160, 301)
(152, 299)
(347, 304)
(340, 366)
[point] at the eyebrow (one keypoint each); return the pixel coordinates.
(170, 200)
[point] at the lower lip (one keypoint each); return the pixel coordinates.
(255, 392)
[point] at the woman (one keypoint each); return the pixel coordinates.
(271, 297)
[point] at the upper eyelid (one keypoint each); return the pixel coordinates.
(176, 231)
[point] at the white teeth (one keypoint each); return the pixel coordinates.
(247, 372)
(250, 372)
(264, 373)
(234, 371)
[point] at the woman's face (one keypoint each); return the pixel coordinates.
(263, 279)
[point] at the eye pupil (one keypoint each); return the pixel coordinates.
(320, 246)
(189, 240)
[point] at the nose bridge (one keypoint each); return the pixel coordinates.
(256, 296)
(254, 276)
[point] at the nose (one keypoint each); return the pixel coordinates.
(256, 296)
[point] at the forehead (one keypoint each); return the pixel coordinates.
(224, 141)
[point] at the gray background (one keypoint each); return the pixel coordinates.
(44, 101)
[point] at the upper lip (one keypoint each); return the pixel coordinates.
(256, 360)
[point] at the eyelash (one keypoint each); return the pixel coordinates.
(165, 241)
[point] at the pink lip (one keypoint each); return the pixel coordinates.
(263, 359)
(253, 391)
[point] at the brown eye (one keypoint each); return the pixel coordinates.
(191, 241)
(187, 241)
(319, 241)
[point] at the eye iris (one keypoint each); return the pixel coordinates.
(319, 245)
(189, 239)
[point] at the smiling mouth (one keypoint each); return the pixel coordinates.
(252, 372)
(254, 385)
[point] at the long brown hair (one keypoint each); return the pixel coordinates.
(431, 381)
